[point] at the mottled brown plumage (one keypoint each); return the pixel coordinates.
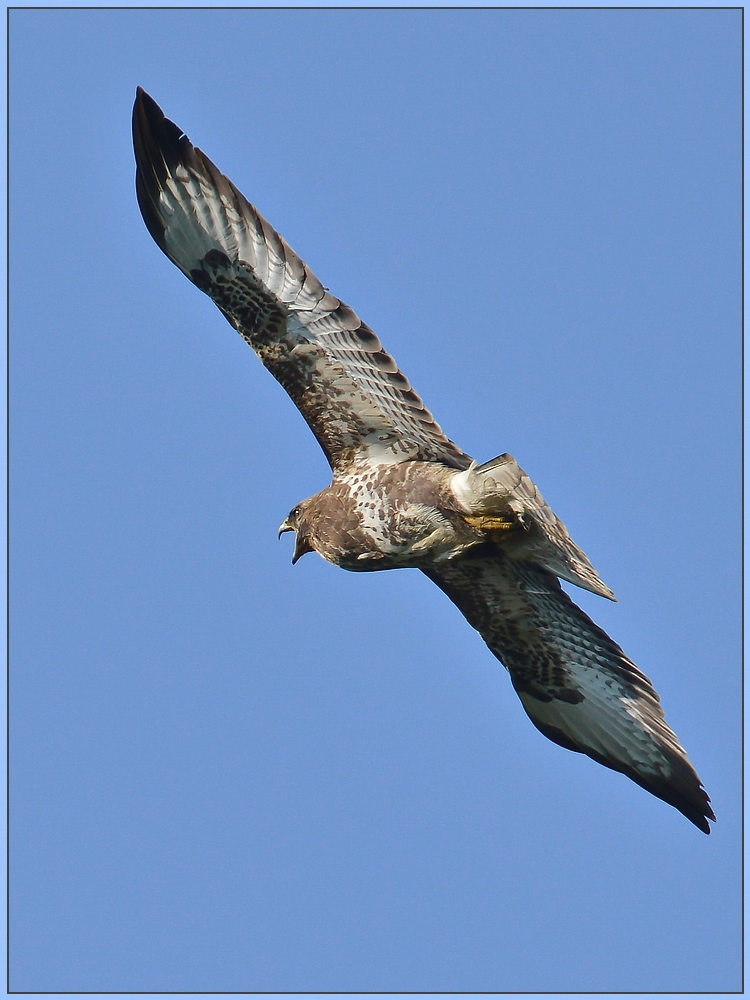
(403, 494)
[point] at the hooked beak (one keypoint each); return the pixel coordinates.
(285, 526)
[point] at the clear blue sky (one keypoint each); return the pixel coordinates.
(232, 774)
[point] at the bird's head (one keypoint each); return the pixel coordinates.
(296, 522)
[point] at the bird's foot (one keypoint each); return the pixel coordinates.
(491, 523)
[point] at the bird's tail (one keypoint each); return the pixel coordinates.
(502, 485)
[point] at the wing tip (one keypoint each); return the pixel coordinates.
(150, 173)
(684, 791)
(153, 132)
(698, 815)
(160, 147)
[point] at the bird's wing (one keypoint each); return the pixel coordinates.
(358, 404)
(577, 686)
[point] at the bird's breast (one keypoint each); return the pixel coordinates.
(387, 518)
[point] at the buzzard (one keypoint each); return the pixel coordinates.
(403, 494)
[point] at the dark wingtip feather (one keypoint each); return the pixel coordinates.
(158, 141)
(689, 798)
(685, 791)
(159, 146)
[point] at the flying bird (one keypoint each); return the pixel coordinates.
(402, 493)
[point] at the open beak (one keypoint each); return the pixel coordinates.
(285, 526)
(301, 544)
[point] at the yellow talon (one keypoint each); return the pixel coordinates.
(490, 523)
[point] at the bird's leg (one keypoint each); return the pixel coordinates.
(443, 534)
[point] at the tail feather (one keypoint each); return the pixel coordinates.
(502, 485)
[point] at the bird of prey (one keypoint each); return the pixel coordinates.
(403, 494)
